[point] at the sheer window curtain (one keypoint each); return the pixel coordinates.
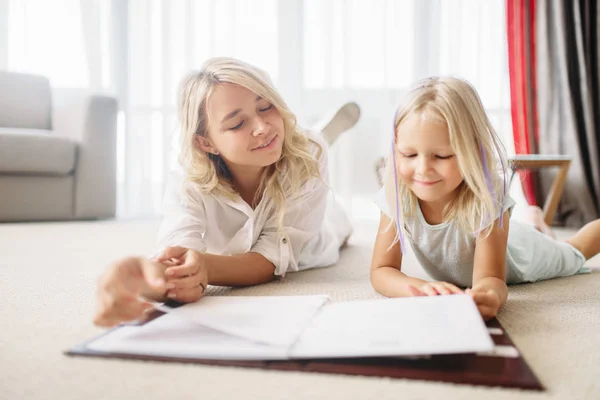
(319, 54)
(166, 40)
(370, 51)
(3, 34)
(30, 50)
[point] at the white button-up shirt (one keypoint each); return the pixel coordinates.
(314, 225)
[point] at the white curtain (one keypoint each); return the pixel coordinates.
(319, 54)
(3, 35)
(59, 39)
(369, 51)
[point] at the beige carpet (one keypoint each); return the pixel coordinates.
(48, 273)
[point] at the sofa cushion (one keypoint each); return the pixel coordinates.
(35, 152)
(25, 101)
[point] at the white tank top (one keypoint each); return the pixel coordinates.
(444, 251)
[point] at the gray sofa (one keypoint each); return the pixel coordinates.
(57, 153)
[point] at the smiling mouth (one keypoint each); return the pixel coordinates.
(268, 142)
(426, 182)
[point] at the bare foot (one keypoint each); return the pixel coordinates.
(342, 120)
(535, 216)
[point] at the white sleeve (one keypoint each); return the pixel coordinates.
(184, 217)
(509, 204)
(302, 221)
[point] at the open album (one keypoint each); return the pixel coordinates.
(299, 327)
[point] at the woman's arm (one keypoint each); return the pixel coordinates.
(239, 270)
(489, 269)
(386, 276)
(190, 271)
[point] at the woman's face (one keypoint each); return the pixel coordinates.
(243, 128)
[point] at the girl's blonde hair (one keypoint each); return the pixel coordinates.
(208, 171)
(480, 153)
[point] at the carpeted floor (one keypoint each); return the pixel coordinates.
(48, 273)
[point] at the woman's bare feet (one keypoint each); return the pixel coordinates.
(343, 119)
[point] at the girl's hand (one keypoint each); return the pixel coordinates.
(487, 301)
(121, 286)
(186, 274)
(434, 289)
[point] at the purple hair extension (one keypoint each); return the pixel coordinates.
(503, 183)
(488, 179)
(398, 222)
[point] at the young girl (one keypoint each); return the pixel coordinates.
(445, 194)
(250, 203)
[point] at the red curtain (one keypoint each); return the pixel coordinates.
(520, 28)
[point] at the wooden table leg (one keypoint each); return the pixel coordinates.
(556, 190)
(563, 163)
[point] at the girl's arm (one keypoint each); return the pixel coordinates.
(489, 269)
(386, 276)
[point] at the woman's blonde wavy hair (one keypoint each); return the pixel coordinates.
(480, 153)
(208, 171)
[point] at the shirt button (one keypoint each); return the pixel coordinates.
(284, 240)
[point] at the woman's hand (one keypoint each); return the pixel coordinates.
(121, 286)
(434, 289)
(186, 274)
(487, 300)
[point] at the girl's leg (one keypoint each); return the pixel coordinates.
(535, 217)
(587, 239)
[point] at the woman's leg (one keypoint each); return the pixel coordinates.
(338, 219)
(379, 168)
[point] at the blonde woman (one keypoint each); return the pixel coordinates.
(445, 194)
(250, 203)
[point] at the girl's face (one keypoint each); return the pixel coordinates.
(426, 160)
(244, 129)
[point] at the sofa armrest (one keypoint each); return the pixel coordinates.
(91, 120)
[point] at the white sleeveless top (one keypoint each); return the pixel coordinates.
(447, 253)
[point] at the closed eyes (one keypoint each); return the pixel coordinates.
(238, 126)
(439, 157)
